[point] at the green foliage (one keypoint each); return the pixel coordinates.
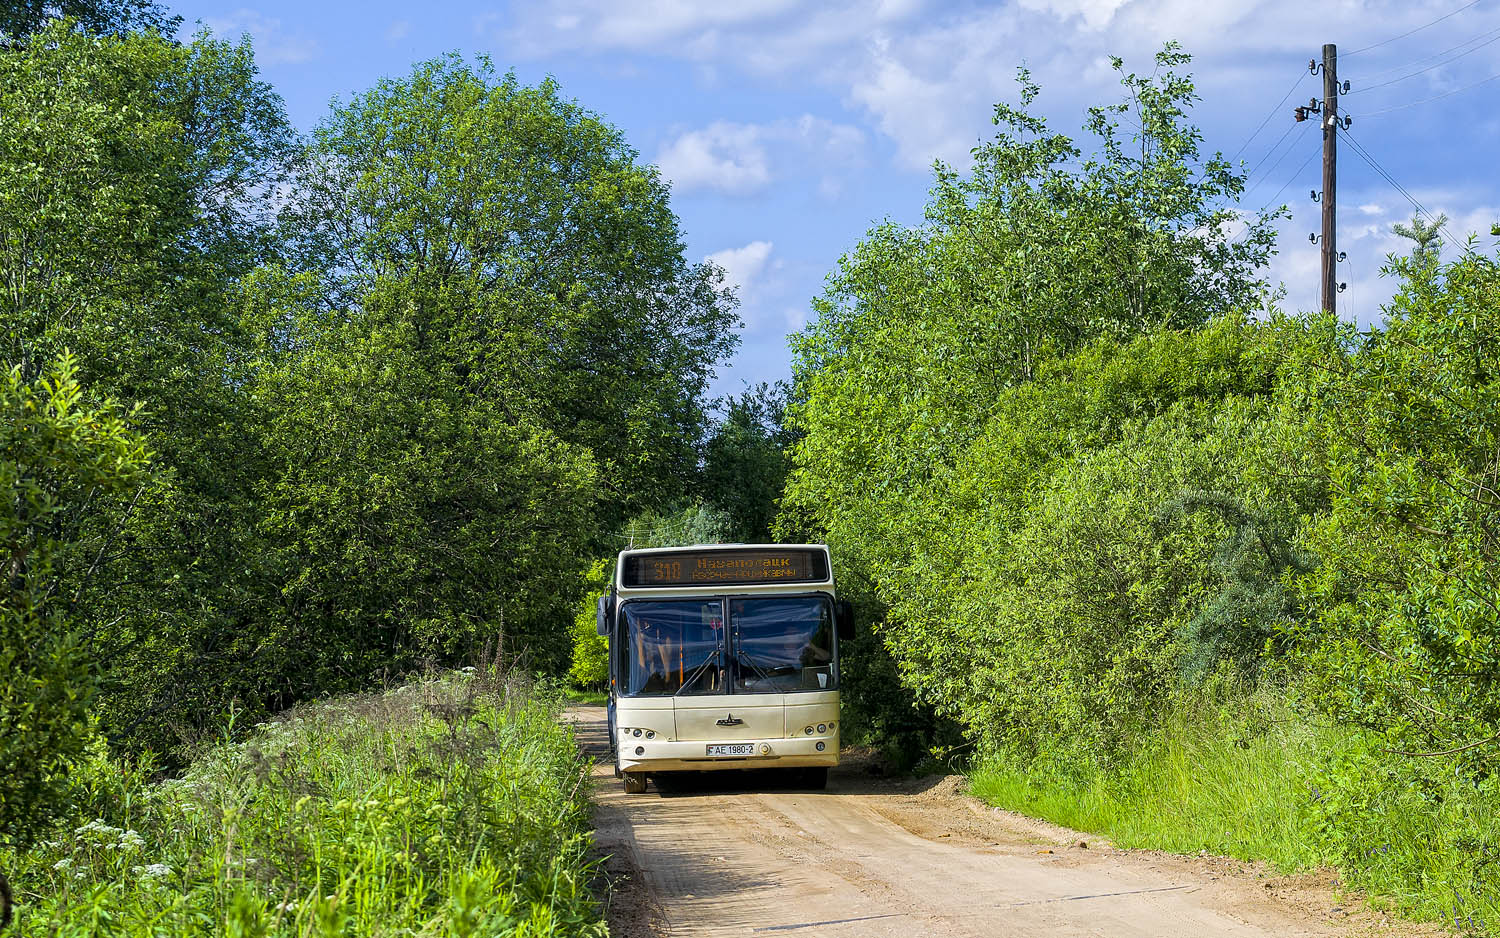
(537, 264)
(746, 459)
(1404, 633)
(452, 807)
(590, 665)
(395, 384)
(1426, 238)
(410, 519)
(977, 443)
(691, 524)
(1253, 777)
(63, 460)
(21, 18)
(135, 190)
(1235, 776)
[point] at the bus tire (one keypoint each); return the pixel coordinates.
(815, 778)
(635, 782)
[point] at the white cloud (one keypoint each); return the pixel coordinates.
(928, 74)
(398, 30)
(735, 158)
(723, 156)
(1095, 14)
(742, 266)
(634, 26)
(273, 45)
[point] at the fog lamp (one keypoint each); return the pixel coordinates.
(821, 746)
(640, 750)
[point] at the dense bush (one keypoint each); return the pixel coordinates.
(396, 379)
(454, 807)
(64, 464)
(1403, 635)
(1104, 498)
(976, 417)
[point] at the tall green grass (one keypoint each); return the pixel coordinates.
(1256, 780)
(454, 807)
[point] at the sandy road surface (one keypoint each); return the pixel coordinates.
(733, 854)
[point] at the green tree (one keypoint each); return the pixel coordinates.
(1426, 237)
(746, 458)
(1403, 635)
(410, 520)
(138, 181)
(972, 376)
(65, 465)
(115, 17)
(538, 264)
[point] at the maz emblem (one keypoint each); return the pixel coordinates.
(729, 721)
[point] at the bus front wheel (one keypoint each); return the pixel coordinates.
(635, 783)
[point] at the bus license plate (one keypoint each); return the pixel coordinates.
(732, 749)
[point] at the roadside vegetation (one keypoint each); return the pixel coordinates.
(1155, 557)
(289, 417)
(443, 807)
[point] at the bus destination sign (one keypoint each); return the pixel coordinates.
(726, 567)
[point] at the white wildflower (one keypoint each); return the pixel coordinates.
(63, 864)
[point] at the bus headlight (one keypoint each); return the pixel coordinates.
(822, 727)
(809, 731)
(635, 732)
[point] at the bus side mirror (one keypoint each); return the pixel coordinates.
(843, 614)
(603, 623)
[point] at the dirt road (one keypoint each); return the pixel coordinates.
(732, 854)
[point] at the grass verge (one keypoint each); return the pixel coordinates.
(1255, 780)
(454, 807)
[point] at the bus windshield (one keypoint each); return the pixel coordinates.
(674, 647)
(776, 645)
(782, 644)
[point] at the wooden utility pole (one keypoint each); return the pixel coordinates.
(1330, 177)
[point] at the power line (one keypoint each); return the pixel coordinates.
(1267, 120)
(1435, 55)
(1492, 40)
(1373, 164)
(1295, 173)
(1279, 160)
(1438, 97)
(1411, 32)
(1267, 155)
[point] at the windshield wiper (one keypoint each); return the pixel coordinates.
(698, 671)
(741, 655)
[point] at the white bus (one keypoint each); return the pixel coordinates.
(724, 657)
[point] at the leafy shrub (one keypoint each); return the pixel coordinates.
(590, 667)
(63, 461)
(454, 807)
(1404, 632)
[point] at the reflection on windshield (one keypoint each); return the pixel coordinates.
(675, 647)
(782, 645)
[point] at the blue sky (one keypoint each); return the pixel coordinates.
(788, 128)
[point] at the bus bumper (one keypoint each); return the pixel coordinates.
(659, 756)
